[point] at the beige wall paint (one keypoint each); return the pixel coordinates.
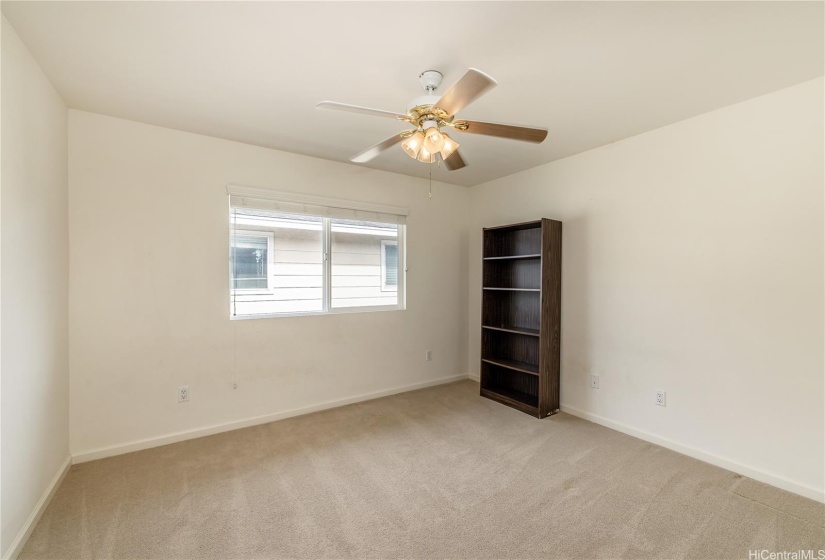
(34, 378)
(692, 263)
(150, 289)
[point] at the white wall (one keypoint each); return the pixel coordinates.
(693, 263)
(34, 280)
(149, 234)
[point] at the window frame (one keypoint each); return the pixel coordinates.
(327, 308)
(270, 260)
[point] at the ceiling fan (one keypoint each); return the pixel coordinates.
(430, 113)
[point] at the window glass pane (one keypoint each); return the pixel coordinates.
(293, 273)
(390, 266)
(249, 255)
(356, 254)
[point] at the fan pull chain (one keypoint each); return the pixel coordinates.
(431, 180)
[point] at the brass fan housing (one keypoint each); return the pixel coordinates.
(422, 113)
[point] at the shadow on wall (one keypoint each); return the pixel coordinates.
(577, 363)
(464, 281)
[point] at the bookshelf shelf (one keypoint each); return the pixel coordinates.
(514, 289)
(524, 367)
(516, 330)
(513, 257)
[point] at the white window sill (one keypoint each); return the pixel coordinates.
(337, 311)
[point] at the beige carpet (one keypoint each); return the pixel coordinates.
(437, 473)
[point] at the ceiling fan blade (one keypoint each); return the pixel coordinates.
(512, 132)
(357, 109)
(472, 85)
(455, 161)
(373, 151)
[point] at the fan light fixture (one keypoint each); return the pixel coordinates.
(425, 156)
(427, 115)
(433, 140)
(449, 146)
(423, 145)
(412, 145)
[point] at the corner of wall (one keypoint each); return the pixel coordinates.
(34, 323)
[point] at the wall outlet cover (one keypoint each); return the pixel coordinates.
(661, 397)
(594, 381)
(183, 394)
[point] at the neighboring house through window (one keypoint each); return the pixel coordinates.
(251, 258)
(389, 266)
(288, 258)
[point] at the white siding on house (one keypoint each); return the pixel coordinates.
(295, 265)
(295, 273)
(356, 270)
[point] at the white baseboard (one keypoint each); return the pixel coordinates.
(100, 453)
(474, 377)
(25, 532)
(750, 472)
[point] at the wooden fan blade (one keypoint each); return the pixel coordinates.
(472, 85)
(523, 133)
(455, 161)
(357, 109)
(374, 151)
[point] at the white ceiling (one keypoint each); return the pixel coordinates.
(590, 72)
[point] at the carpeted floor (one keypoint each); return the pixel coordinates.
(436, 473)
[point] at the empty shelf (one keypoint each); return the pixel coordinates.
(514, 289)
(513, 257)
(523, 367)
(523, 401)
(516, 330)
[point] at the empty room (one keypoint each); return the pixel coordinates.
(473, 279)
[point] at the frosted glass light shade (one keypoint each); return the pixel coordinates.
(449, 146)
(433, 140)
(426, 155)
(412, 145)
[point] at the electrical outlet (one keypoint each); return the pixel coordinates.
(183, 394)
(594, 381)
(661, 397)
(428, 355)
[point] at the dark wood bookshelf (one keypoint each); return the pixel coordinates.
(521, 316)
